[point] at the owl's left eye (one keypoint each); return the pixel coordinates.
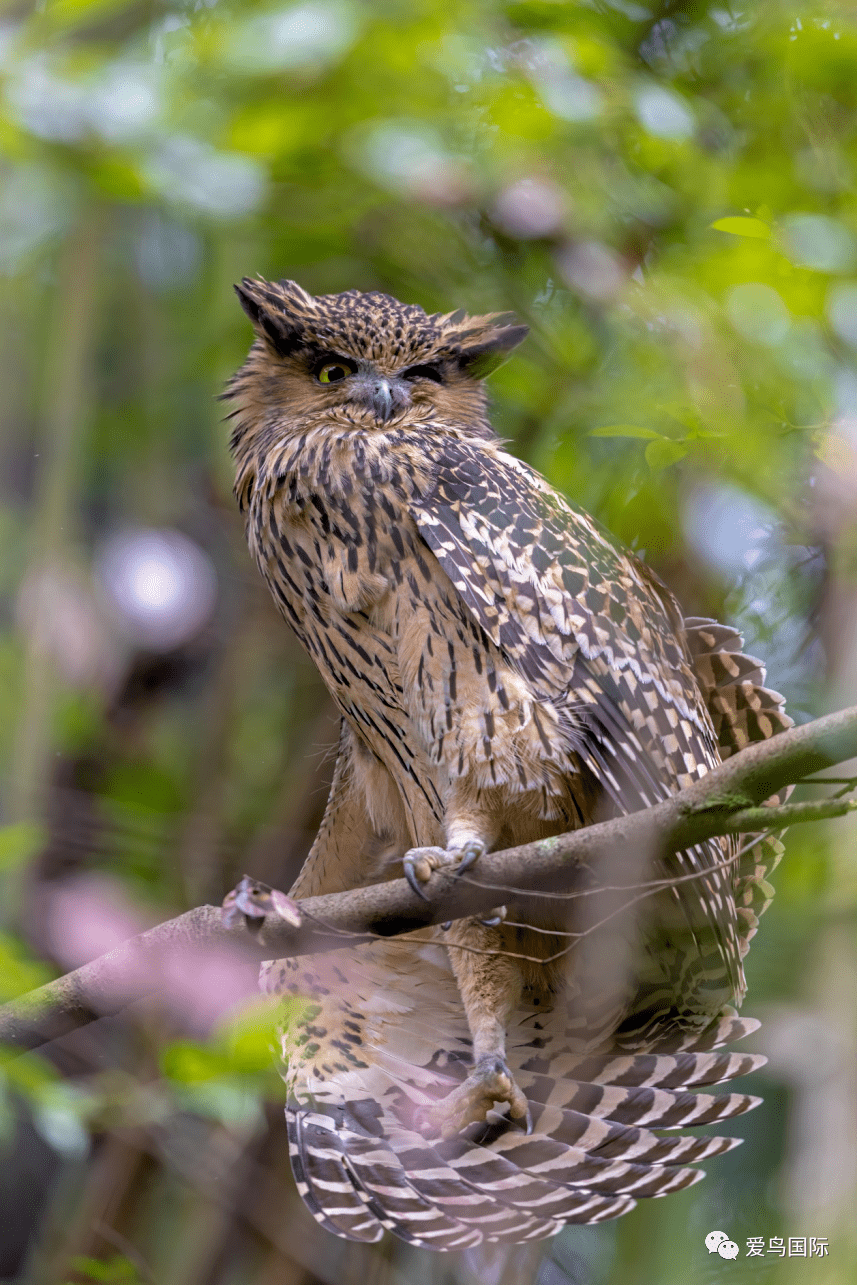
(332, 371)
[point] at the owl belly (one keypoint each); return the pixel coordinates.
(425, 691)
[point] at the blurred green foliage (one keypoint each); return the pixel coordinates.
(113, 1271)
(663, 191)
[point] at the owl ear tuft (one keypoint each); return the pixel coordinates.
(265, 310)
(483, 350)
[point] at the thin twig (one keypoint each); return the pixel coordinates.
(788, 814)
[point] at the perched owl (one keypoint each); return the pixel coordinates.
(505, 672)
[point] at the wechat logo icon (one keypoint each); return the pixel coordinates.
(717, 1242)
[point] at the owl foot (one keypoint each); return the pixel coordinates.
(420, 863)
(490, 1081)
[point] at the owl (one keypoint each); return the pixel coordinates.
(505, 671)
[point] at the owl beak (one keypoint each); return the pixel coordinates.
(381, 395)
(382, 399)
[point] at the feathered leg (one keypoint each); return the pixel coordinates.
(490, 986)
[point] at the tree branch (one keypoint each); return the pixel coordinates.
(727, 800)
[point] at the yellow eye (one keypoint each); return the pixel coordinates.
(333, 371)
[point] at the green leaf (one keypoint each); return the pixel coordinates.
(65, 16)
(29, 1074)
(624, 430)
(741, 225)
(92, 1268)
(661, 454)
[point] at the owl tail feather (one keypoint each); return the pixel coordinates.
(744, 711)
(596, 1147)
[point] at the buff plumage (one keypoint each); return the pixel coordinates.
(504, 671)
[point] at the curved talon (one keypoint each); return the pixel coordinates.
(418, 865)
(446, 927)
(410, 875)
(519, 1109)
(496, 918)
(470, 854)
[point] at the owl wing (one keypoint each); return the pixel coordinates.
(594, 632)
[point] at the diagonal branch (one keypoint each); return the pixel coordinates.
(727, 800)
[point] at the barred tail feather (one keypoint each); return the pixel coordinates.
(743, 711)
(596, 1147)
(742, 708)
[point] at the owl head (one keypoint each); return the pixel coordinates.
(364, 360)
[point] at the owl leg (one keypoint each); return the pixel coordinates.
(490, 985)
(489, 980)
(471, 827)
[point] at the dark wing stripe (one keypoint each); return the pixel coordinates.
(609, 1140)
(743, 710)
(323, 1180)
(543, 1157)
(724, 1030)
(654, 1108)
(625, 777)
(679, 1071)
(377, 1169)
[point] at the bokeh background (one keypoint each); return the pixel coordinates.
(665, 193)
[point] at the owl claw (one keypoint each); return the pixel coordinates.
(419, 864)
(490, 1081)
(412, 879)
(470, 852)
